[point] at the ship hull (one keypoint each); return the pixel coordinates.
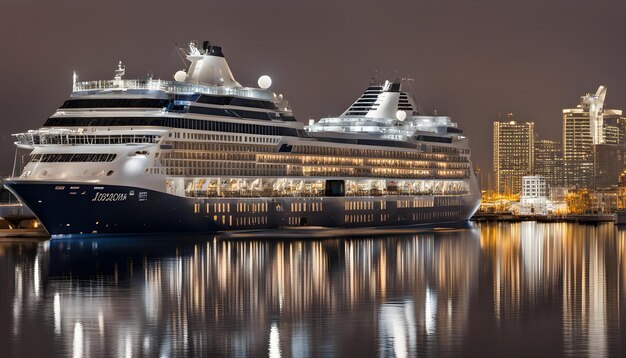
(66, 208)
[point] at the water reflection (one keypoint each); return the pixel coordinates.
(514, 289)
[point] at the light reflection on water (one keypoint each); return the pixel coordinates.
(494, 289)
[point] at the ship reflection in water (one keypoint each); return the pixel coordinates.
(494, 289)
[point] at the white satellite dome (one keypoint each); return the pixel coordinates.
(180, 76)
(265, 81)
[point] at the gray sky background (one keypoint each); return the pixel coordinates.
(470, 59)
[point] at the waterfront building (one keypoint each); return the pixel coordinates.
(587, 125)
(499, 205)
(549, 161)
(604, 201)
(557, 199)
(513, 154)
(534, 198)
(578, 201)
(557, 194)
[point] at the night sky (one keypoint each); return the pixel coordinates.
(470, 59)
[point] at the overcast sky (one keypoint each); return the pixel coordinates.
(470, 59)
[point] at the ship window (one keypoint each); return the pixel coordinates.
(77, 157)
(116, 103)
(253, 103)
(251, 114)
(184, 123)
(213, 100)
(428, 138)
(211, 111)
(236, 101)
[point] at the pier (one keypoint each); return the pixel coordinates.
(570, 218)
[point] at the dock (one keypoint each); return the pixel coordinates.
(571, 218)
(17, 221)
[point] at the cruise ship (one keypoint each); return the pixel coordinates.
(202, 153)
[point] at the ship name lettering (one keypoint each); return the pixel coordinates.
(109, 197)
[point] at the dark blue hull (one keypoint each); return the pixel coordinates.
(80, 208)
(90, 209)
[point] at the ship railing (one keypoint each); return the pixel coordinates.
(24, 139)
(172, 86)
(30, 139)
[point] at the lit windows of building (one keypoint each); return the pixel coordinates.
(549, 161)
(584, 127)
(534, 199)
(513, 151)
(608, 164)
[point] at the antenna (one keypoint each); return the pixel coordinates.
(121, 70)
(374, 79)
(417, 98)
(408, 80)
(181, 53)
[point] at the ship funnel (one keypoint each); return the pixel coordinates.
(209, 67)
(383, 101)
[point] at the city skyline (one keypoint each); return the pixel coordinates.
(591, 154)
(470, 61)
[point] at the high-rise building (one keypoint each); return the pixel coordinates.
(513, 154)
(615, 127)
(577, 149)
(549, 161)
(608, 164)
(587, 125)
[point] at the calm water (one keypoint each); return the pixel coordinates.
(490, 290)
